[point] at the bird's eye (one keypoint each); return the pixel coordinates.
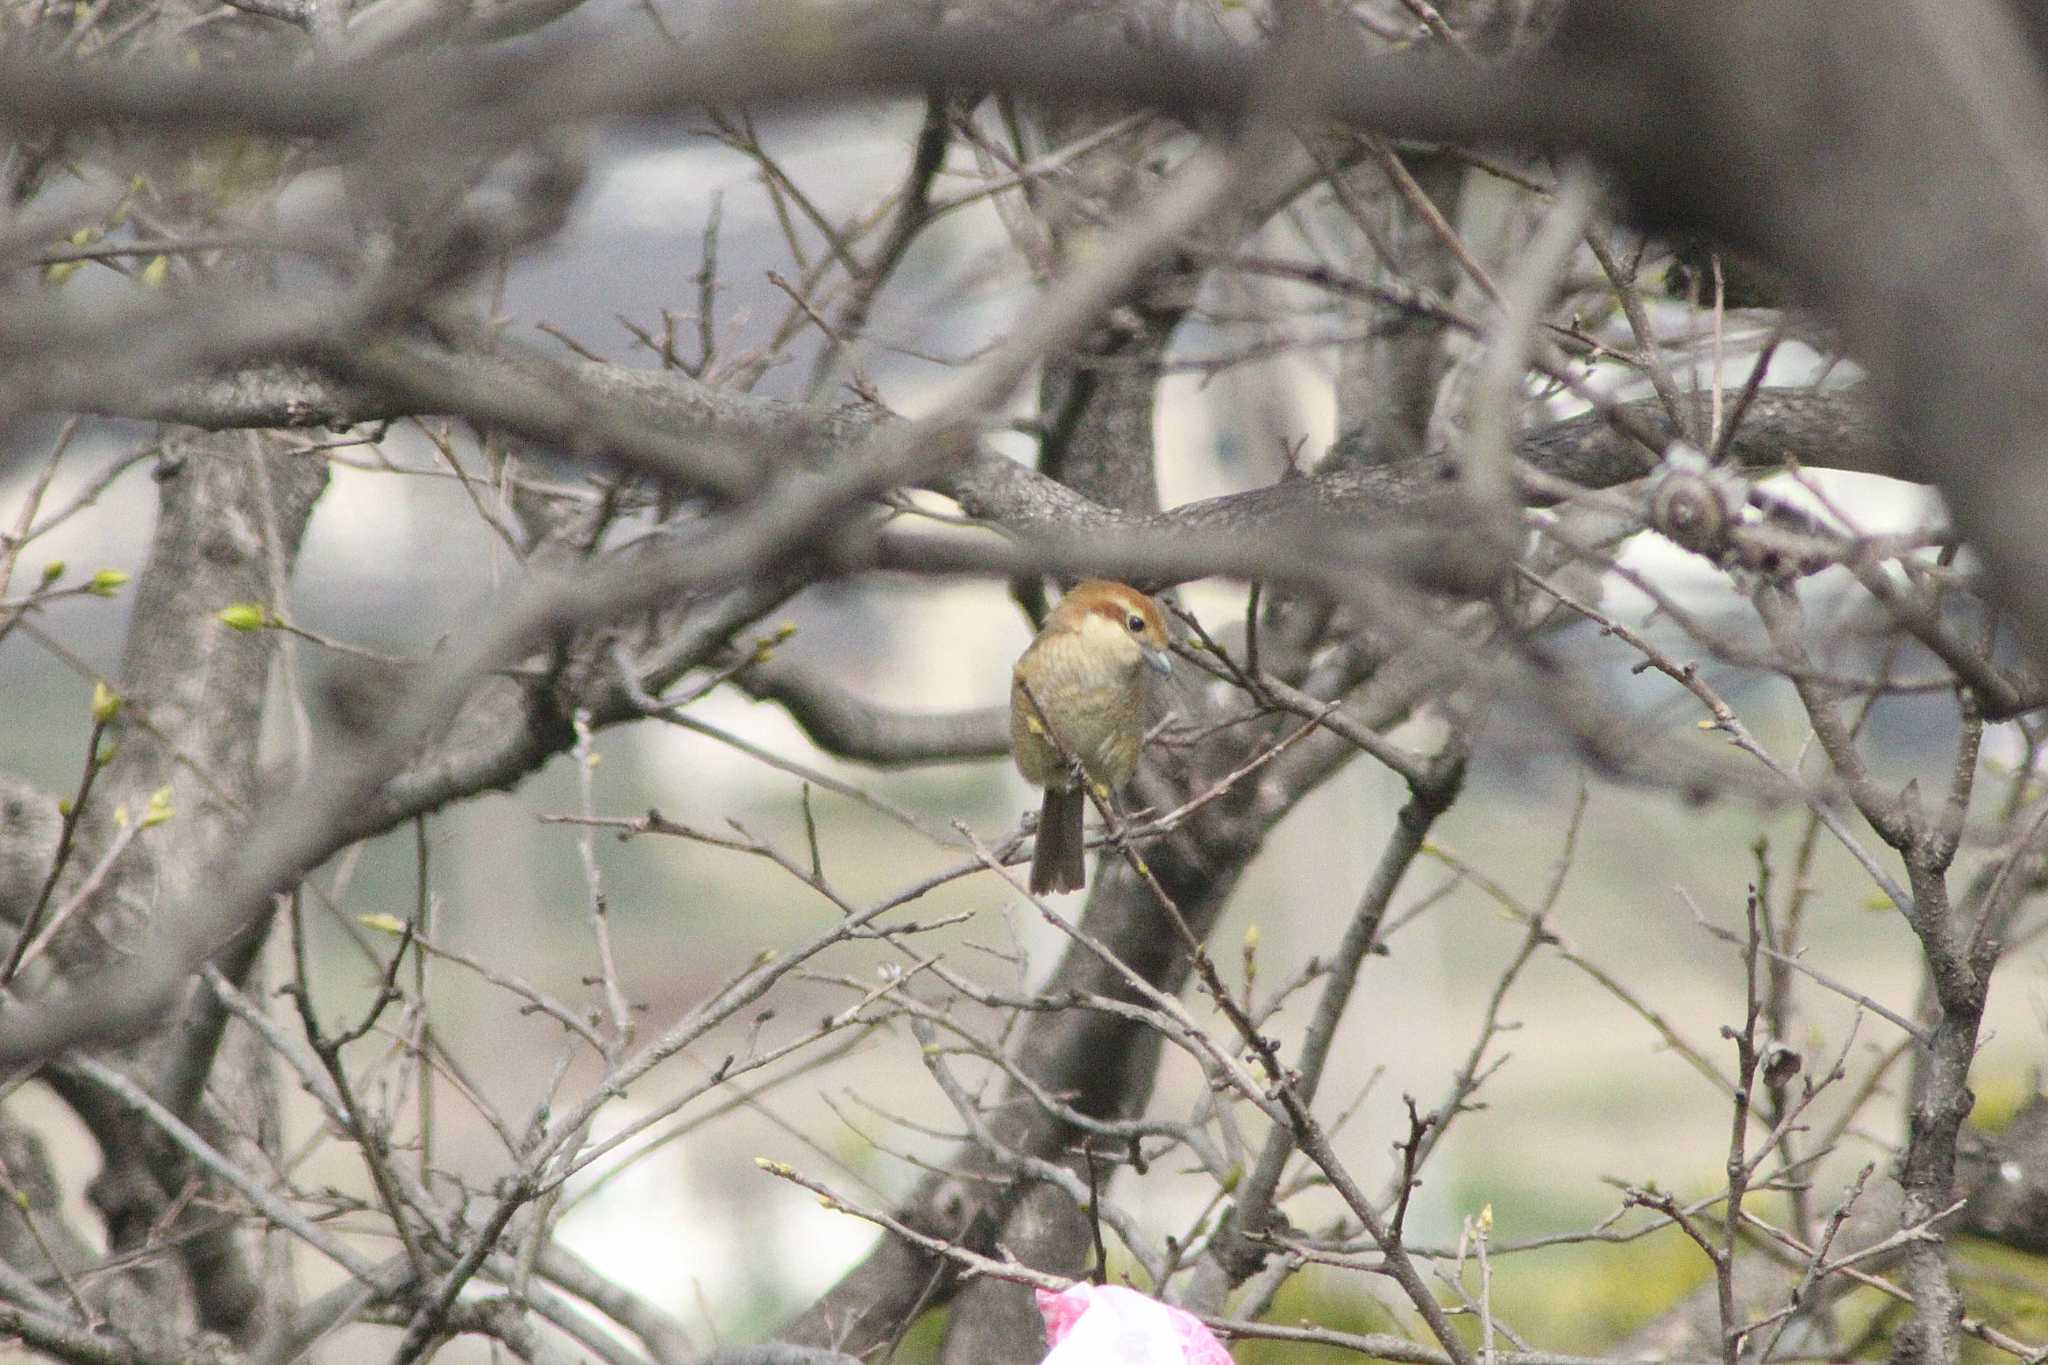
(1136, 623)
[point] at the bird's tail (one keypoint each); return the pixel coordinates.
(1060, 862)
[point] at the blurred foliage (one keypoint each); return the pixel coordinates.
(1587, 1298)
(2007, 1289)
(920, 1345)
(1329, 1298)
(2000, 1094)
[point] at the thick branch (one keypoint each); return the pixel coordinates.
(1831, 430)
(850, 726)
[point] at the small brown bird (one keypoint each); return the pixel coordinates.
(1078, 692)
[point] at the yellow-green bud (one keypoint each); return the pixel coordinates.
(244, 616)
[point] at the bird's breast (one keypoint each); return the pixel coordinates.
(1096, 704)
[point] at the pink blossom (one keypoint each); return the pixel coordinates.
(1097, 1324)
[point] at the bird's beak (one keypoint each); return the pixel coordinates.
(1160, 660)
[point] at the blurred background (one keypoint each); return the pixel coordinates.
(1585, 1094)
